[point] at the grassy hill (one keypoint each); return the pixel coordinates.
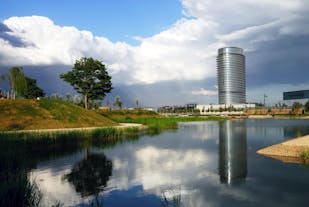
(47, 114)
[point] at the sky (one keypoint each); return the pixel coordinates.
(162, 52)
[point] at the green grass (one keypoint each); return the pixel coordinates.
(47, 114)
(291, 116)
(157, 124)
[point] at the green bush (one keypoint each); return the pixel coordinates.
(305, 155)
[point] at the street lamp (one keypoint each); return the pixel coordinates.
(264, 99)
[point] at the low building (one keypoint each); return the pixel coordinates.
(211, 108)
(105, 108)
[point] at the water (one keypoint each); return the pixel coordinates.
(200, 164)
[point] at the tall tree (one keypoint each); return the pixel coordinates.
(90, 78)
(117, 102)
(17, 81)
(33, 91)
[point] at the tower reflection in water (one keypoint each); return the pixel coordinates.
(232, 151)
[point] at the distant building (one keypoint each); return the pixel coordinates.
(214, 108)
(231, 76)
(191, 105)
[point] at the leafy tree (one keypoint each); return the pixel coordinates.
(33, 91)
(94, 104)
(1, 95)
(17, 81)
(117, 102)
(90, 78)
(55, 96)
(78, 101)
(307, 106)
(68, 97)
(297, 107)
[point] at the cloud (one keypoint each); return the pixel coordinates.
(205, 92)
(158, 58)
(6, 34)
(271, 32)
(50, 44)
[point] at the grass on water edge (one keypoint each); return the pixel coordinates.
(50, 139)
(154, 121)
(291, 116)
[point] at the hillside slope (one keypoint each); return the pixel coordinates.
(47, 114)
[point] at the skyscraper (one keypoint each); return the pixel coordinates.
(231, 75)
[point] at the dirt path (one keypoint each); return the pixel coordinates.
(120, 126)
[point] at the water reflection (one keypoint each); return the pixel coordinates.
(171, 196)
(90, 175)
(178, 168)
(295, 131)
(232, 151)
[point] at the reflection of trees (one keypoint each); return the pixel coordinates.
(90, 175)
(15, 187)
(232, 151)
(171, 196)
(295, 131)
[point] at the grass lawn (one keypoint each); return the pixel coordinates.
(47, 114)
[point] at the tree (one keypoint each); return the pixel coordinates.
(68, 97)
(297, 107)
(117, 102)
(90, 78)
(136, 102)
(307, 106)
(17, 81)
(33, 91)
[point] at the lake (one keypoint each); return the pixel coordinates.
(200, 164)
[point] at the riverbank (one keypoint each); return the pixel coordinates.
(288, 151)
(120, 126)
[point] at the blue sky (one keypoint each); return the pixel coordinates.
(162, 52)
(118, 20)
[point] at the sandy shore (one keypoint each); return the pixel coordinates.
(288, 151)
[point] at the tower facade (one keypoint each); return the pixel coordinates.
(231, 76)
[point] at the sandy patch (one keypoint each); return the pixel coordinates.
(288, 151)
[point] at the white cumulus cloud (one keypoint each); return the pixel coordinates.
(185, 51)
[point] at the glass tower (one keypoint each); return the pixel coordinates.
(231, 75)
